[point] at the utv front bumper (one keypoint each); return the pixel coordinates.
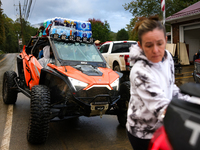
(96, 103)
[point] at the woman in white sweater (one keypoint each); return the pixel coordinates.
(152, 82)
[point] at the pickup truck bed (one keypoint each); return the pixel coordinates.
(116, 54)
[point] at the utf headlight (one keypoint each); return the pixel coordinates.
(115, 84)
(77, 85)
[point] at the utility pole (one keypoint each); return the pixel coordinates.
(21, 23)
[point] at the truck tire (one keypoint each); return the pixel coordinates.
(116, 68)
(123, 103)
(38, 128)
(9, 95)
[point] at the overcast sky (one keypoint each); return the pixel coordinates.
(110, 10)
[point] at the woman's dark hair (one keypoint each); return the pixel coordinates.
(148, 24)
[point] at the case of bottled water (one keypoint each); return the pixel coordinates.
(68, 27)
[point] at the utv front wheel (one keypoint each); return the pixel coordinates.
(38, 127)
(9, 94)
(123, 103)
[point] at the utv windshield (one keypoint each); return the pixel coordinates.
(77, 51)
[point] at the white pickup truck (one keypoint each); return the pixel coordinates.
(116, 54)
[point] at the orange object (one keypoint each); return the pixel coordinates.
(32, 69)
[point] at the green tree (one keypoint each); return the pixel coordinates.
(146, 8)
(12, 30)
(139, 8)
(27, 30)
(2, 30)
(100, 30)
(132, 33)
(122, 35)
(113, 36)
(143, 7)
(9, 31)
(174, 6)
(11, 44)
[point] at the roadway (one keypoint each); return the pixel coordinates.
(84, 133)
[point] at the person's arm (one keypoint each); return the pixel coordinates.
(40, 54)
(178, 94)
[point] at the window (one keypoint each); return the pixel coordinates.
(104, 48)
(121, 47)
(77, 51)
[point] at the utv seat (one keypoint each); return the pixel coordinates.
(46, 59)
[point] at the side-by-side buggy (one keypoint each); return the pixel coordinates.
(76, 83)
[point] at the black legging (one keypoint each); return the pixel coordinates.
(137, 143)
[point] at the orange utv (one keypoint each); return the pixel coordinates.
(76, 83)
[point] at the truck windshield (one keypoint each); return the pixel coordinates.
(77, 51)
